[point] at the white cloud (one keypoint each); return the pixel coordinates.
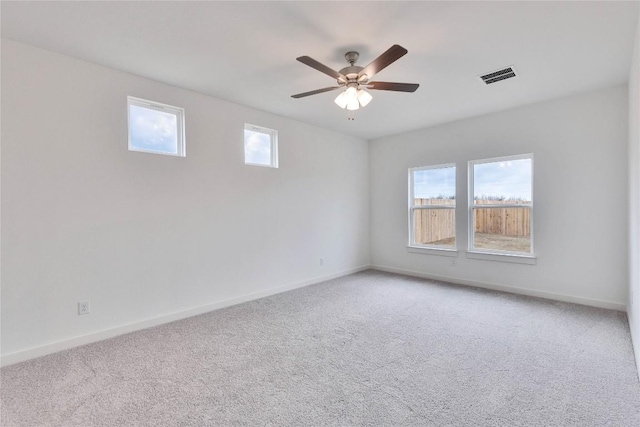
(153, 130)
(257, 147)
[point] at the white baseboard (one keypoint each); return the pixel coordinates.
(505, 288)
(32, 353)
(55, 347)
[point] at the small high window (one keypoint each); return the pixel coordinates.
(155, 127)
(260, 146)
(501, 205)
(432, 207)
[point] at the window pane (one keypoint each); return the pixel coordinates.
(152, 130)
(505, 181)
(257, 148)
(434, 186)
(435, 227)
(503, 229)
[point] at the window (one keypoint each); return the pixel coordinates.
(432, 207)
(155, 128)
(260, 146)
(501, 205)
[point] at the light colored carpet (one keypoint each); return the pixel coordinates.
(370, 349)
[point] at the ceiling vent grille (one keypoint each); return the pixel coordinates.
(496, 76)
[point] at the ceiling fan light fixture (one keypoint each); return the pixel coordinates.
(341, 100)
(348, 99)
(364, 97)
(352, 98)
(353, 104)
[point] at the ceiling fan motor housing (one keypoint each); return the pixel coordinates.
(351, 72)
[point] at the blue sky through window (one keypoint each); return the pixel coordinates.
(507, 180)
(257, 148)
(434, 183)
(153, 130)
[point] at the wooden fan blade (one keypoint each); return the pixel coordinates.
(314, 92)
(392, 54)
(320, 67)
(397, 87)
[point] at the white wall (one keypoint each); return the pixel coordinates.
(145, 235)
(634, 197)
(580, 194)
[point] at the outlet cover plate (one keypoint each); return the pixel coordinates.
(84, 307)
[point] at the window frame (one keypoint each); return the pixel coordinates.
(472, 206)
(441, 250)
(164, 108)
(273, 145)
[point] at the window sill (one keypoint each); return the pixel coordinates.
(517, 259)
(272, 166)
(432, 251)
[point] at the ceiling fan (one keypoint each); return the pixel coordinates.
(355, 78)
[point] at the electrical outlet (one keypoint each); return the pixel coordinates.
(84, 307)
(321, 261)
(454, 261)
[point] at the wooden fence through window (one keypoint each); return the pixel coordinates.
(433, 225)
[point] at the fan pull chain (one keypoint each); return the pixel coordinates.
(350, 115)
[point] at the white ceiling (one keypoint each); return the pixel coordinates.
(245, 52)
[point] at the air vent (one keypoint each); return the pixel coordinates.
(499, 75)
